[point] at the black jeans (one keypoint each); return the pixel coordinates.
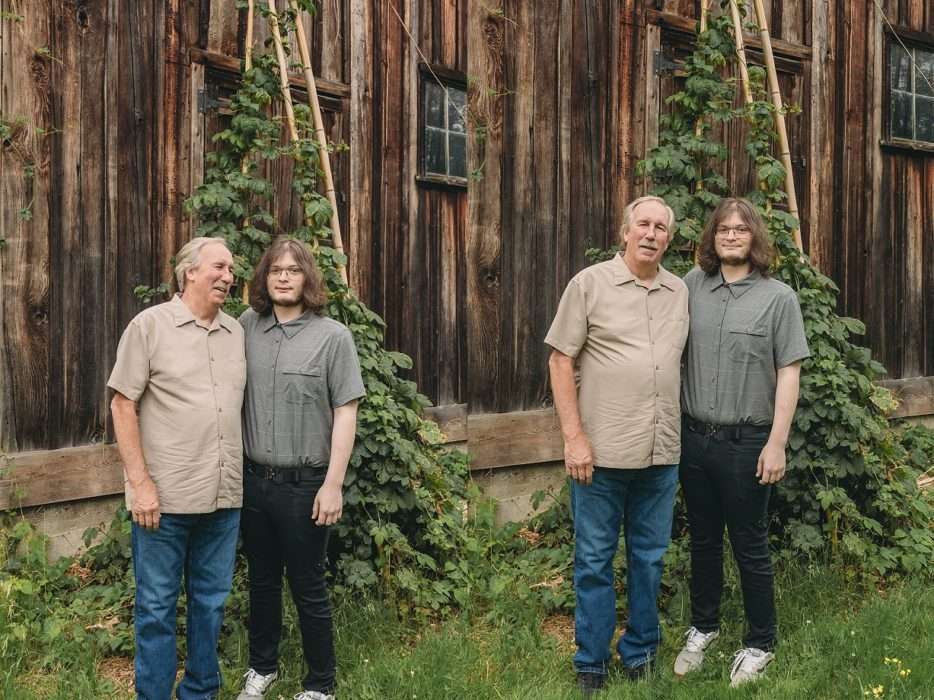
(278, 533)
(720, 488)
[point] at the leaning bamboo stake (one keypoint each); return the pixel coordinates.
(779, 118)
(283, 70)
(699, 125)
(247, 65)
(741, 52)
(320, 135)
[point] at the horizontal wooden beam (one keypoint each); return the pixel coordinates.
(513, 439)
(326, 88)
(55, 476)
(915, 396)
(685, 25)
(494, 440)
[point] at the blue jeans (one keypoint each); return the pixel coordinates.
(203, 546)
(642, 501)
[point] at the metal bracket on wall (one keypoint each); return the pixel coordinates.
(662, 64)
(207, 100)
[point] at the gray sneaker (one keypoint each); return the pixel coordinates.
(692, 655)
(749, 665)
(256, 684)
(313, 695)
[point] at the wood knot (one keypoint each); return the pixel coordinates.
(83, 18)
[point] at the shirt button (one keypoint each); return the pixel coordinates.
(268, 449)
(219, 411)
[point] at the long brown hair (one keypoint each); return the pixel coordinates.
(314, 293)
(760, 250)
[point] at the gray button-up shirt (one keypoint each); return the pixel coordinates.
(741, 334)
(298, 372)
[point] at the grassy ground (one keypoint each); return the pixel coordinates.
(835, 641)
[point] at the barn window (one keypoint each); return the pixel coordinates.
(443, 129)
(911, 95)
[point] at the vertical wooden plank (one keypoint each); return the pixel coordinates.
(912, 335)
(653, 43)
(25, 89)
(793, 19)
(196, 125)
(111, 261)
(562, 233)
(820, 117)
(223, 27)
(76, 236)
(485, 56)
(361, 205)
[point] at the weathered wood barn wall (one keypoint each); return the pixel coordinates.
(113, 106)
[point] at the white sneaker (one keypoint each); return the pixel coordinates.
(256, 684)
(313, 695)
(749, 665)
(692, 655)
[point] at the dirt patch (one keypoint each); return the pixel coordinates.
(561, 628)
(119, 671)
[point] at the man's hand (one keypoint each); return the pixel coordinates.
(145, 503)
(578, 459)
(329, 505)
(771, 466)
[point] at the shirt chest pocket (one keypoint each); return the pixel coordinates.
(746, 342)
(303, 385)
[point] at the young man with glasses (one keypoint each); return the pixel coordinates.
(740, 390)
(299, 421)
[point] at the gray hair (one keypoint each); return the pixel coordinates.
(631, 207)
(189, 256)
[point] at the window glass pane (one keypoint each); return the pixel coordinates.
(457, 105)
(457, 167)
(901, 115)
(899, 68)
(434, 104)
(925, 60)
(434, 151)
(924, 119)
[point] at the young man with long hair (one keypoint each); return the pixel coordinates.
(299, 421)
(739, 394)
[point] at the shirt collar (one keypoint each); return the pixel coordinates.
(290, 328)
(182, 315)
(737, 288)
(623, 275)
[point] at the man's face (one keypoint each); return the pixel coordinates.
(211, 279)
(647, 236)
(733, 239)
(286, 281)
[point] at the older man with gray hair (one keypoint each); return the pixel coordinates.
(620, 328)
(178, 386)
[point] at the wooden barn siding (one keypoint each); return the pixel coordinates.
(99, 198)
(879, 245)
(407, 240)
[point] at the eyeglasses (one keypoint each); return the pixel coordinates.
(290, 272)
(738, 231)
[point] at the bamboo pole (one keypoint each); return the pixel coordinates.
(320, 134)
(283, 70)
(741, 52)
(699, 125)
(779, 118)
(247, 65)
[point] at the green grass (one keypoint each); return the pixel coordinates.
(834, 640)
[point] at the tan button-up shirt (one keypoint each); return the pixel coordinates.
(188, 382)
(627, 339)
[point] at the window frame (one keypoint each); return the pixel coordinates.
(912, 40)
(450, 79)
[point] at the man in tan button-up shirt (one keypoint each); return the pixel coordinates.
(178, 388)
(621, 327)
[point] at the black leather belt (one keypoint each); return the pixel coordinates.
(284, 475)
(725, 432)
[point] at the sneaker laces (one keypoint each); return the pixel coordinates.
(256, 683)
(696, 640)
(747, 660)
